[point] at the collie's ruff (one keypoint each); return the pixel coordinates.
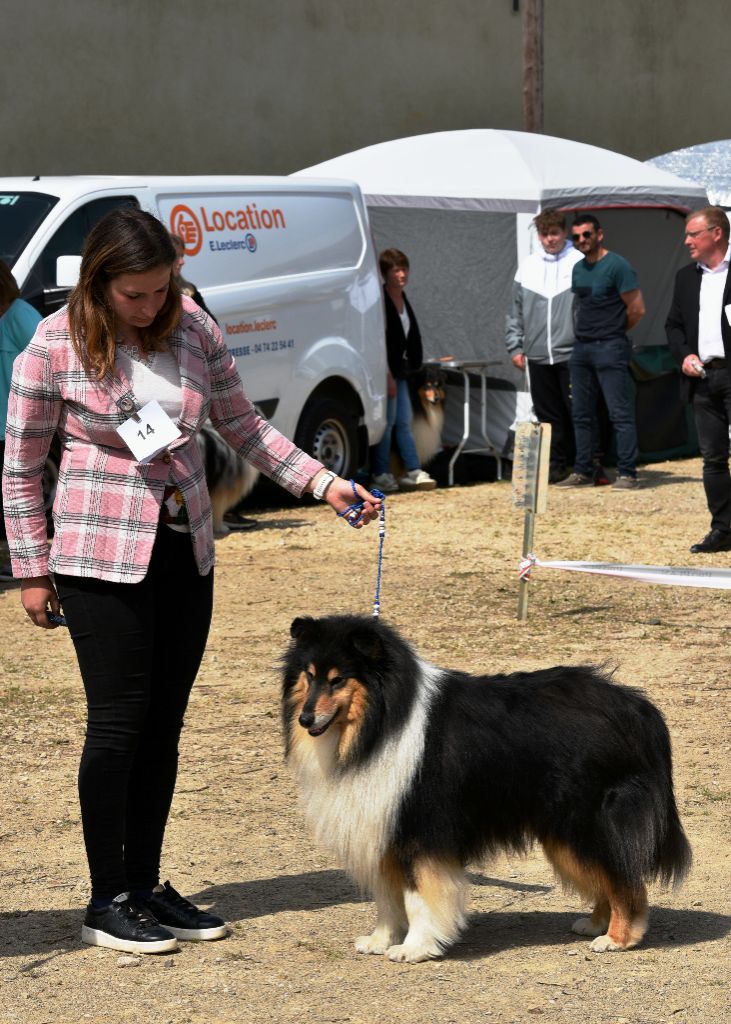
(229, 477)
(409, 772)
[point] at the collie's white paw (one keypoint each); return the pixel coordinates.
(585, 926)
(407, 953)
(603, 944)
(377, 942)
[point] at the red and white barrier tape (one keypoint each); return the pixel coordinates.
(673, 576)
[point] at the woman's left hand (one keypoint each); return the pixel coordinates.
(339, 497)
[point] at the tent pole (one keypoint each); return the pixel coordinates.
(532, 25)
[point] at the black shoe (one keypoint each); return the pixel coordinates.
(127, 925)
(715, 540)
(556, 475)
(235, 521)
(181, 917)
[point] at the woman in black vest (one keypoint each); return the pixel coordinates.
(404, 353)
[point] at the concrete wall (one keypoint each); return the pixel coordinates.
(270, 86)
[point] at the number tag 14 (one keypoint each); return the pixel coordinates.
(149, 433)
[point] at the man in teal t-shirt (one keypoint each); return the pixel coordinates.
(607, 303)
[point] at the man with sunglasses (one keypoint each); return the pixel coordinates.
(607, 304)
(699, 335)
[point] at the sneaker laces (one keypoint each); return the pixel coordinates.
(134, 911)
(173, 897)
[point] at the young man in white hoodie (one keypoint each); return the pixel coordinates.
(539, 333)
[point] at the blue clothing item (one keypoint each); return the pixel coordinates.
(17, 326)
(398, 420)
(604, 364)
(599, 312)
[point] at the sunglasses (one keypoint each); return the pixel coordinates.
(584, 234)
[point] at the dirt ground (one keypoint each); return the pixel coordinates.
(236, 840)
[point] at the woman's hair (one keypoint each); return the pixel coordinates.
(8, 287)
(391, 258)
(126, 241)
(178, 244)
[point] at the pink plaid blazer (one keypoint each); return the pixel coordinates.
(107, 505)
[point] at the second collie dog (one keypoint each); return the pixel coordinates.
(427, 398)
(410, 772)
(229, 477)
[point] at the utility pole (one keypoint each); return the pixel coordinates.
(532, 25)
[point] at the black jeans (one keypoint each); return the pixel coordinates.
(550, 387)
(139, 647)
(712, 409)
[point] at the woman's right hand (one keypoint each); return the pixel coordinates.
(37, 593)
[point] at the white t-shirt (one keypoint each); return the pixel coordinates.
(156, 375)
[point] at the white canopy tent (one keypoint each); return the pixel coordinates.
(708, 164)
(460, 204)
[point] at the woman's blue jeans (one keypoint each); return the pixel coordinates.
(398, 422)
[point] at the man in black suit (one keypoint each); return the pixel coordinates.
(698, 329)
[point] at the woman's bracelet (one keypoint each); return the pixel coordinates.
(321, 488)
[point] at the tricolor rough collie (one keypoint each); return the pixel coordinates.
(409, 772)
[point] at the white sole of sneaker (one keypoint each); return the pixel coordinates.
(96, 937)
(199, 934)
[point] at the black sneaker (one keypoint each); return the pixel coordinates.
(181, 917)
(127, 925)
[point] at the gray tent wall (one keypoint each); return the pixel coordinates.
(462, 268)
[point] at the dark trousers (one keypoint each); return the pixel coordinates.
(603, 365)
(139, 647)
(550, 388)
(712, 409)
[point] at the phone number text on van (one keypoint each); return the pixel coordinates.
(262, 346)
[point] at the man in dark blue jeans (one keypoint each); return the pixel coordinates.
(607, 304)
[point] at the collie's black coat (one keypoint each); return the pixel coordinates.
(410, 772)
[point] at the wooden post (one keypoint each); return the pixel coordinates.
(530, 488)
(532, 25)
(528, 528)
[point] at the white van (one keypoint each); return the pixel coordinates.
(286, 266)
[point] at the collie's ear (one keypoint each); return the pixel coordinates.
(369, 644)
(302, 628)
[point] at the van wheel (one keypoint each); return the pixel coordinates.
(327, 432)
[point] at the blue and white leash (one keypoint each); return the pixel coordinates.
(352, 515)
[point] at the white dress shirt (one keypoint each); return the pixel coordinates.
(710, 310)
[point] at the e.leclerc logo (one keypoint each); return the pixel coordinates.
(193, 228)
(184, 222)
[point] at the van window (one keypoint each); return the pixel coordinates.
(21, 214)
(40, 287)
(244, 237)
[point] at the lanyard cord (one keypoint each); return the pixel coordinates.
(352, 516)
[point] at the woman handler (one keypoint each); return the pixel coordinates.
(132, 555)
